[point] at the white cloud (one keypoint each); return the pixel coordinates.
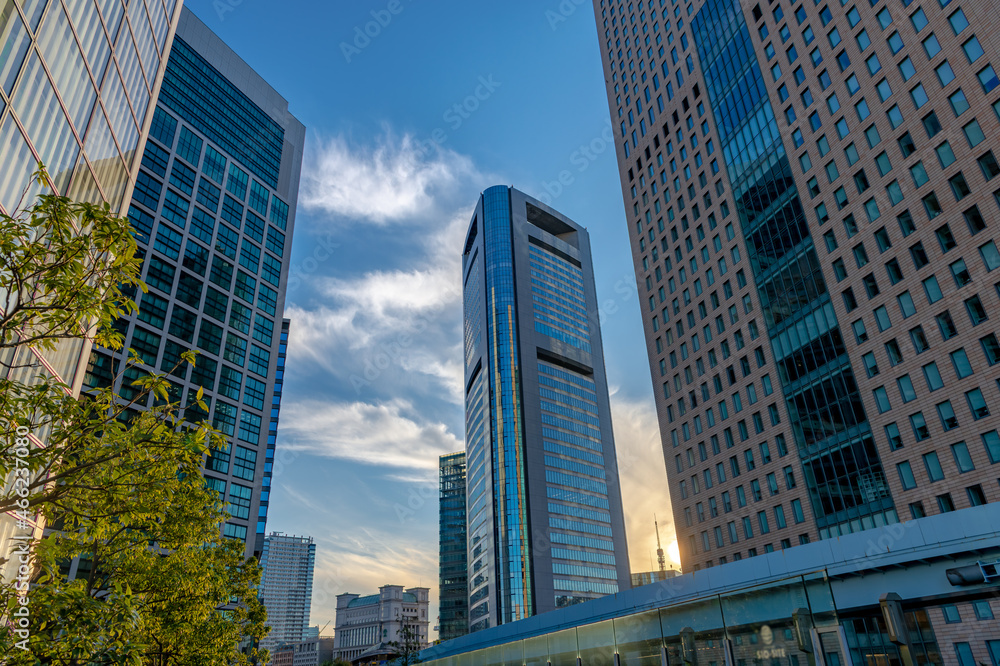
(411, 315)
(387, 435)
(388, 182)
(362, 562)
(643, 477)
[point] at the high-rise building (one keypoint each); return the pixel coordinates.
(814, 256)
(545, 526)
(76, 82)
(367, 626)
(453, 613)
(286, 587)
(213, 212)
(272, 432)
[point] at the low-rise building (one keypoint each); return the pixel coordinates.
(922, 591)
(646, 577)
(370, 621)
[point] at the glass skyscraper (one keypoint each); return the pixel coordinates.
(453, 613)
(814, 254)
(76, 80)
(213, 212)
(545, 525)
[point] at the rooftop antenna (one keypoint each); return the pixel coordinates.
(660, 558)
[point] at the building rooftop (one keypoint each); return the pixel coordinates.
(373, 599)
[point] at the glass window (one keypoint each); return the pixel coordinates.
(988, 78)
(944, 73)
(973, 49)
(963, 461)
(963, 368)
(906, 475)
(882, 400)
(973, 133)
(959, 104)
(991, 441)
(933, 466)
(958, 21)
(977, 404)
(919, 425)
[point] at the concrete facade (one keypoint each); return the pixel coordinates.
(286, 588)
(371, 621)
(813, 315)
(545, 519)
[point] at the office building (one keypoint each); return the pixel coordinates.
(646, 577)
(213, 212)
(366, 625)
(286, 587)
(920, 592)
(272, 432)
(76, 82)
(453, 613)
(545, 526)
(814, 254)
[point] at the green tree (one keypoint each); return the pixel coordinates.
(121, 488)
(407, 647)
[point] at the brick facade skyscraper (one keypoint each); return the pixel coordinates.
(812, 204)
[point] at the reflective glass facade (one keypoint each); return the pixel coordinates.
(75, 85)
(76, 79)
(842, 469)
(215, 241)
(822, 606)
(545, 525)
(453, 552)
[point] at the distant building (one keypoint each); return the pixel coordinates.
(326, 649)
(366, 624)
(454, 579)
(286, 588)
(647, 577)
(283, 656)
(545, 525)
(306, 652)
(312, 650)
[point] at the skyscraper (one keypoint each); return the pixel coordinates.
(76, 82)
(545, 525)
(286, 587)
(453, 552)
(814, 256)
(213, 212)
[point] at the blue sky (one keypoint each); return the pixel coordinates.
(406, 126)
